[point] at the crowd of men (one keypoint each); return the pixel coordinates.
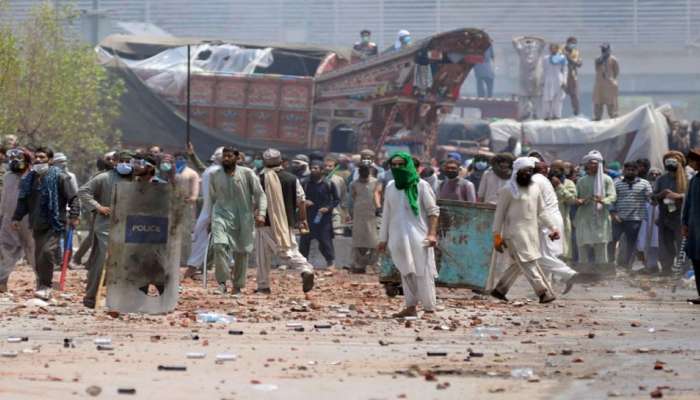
(549, 216)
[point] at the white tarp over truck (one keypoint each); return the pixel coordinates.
(641, 133)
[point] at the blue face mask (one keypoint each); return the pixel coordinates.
(258, 164)
(481, 165)
(124, 168)
(180, 165)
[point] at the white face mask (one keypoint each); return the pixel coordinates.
(40, 168)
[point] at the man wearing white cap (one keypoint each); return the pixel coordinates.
(284, 197)
(520, 212)
(596, 191)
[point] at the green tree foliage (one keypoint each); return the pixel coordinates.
(52, 89)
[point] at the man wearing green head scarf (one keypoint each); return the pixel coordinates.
(409, 231)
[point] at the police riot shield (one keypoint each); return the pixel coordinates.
(143, 259)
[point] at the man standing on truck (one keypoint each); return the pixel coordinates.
(365, 48)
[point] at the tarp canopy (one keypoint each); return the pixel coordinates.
(641, 133)
(144, 46)
(147, 119)
(288, 59)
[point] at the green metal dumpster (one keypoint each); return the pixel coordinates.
(465, 245)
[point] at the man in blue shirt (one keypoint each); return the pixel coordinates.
(485, 74)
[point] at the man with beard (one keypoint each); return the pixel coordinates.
(595, 191)
(454, 187)
(365, 196)
(104, 163)
(690, 228)
(669, 193)
(520, 213)
(565, 189)
(236, 195)
(628, 211)
(14, 243)
(409, 231)
(284, 196)
(96, 197)
(44, 194)
(144, 168)
(643, 167)
(321, 198)
(200, 238)
(495, 178)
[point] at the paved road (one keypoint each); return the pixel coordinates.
(584, 346)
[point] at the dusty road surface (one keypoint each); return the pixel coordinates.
(586, 345)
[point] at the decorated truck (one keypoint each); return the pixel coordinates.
(294, 97)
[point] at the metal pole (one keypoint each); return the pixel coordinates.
(189, 62)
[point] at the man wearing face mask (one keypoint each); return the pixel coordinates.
(285, 197)
(605, 91)
(669, 193)
(237, 205)
(14, 243)
(477, 168)
(96, 198)
(44, 194)
(364, 203)
(409, 232)
(187, 183)
(321, 199)
(565, 189)
(365, 48)
(495, 178)
(376, 171)
(454, 187)
(60, 161)
(520, 213)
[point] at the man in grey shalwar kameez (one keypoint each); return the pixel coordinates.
(96, 197)
(14, 243)
(365, 197)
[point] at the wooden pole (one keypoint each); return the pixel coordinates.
(189, 62)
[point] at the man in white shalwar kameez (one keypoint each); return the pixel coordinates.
(409, 231)
(520, 213)
(552, 249)
(200, 235)
(554, 77)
